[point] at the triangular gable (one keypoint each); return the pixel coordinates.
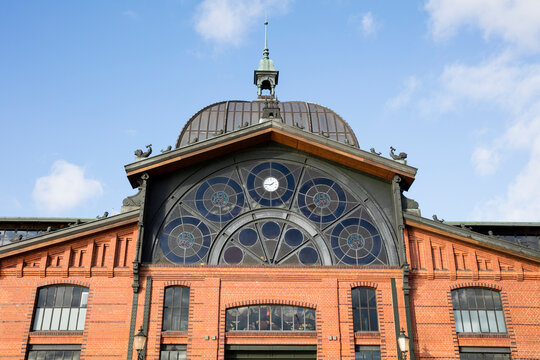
(272, 131)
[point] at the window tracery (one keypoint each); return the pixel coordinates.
(270, 212)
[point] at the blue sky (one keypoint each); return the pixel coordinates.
(453, 83)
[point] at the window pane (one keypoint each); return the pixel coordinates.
(64, 318)
(489, 300)
(299, 319)
(82, 317)
(459, 322)
(167, 318)
(310, 320)
(372, 300)
(484, 327)
(38, 319)
(42, 297)
(462, 295)
(363, 297)
(492, 321)
(50, 297)
(466, 321)
(175, 319)
(242, 318)
(265, 318)
(169, 296)
(184, 320)
(84, 298)
(500, 321)
(73, 319)
(67, 296)
(47, 315)
(373, 324)
(288, 318)
(276, 318)
(76, 300)
(59, 297)
(185, 297)
(254, 318)
(474, 321)
(356, 320)
(364, 319)
(355, 298)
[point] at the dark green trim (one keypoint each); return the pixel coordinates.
(147, 298)
(132, 325)
(396, 315)
(406, 299)
(398, 213)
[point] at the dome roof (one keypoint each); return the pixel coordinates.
(227, 116)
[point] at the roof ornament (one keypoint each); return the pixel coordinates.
(266, 76)
(373, 151)
(437, 219)
(400, 157)
(167, 149)
(140, 155)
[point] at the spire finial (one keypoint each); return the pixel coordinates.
(266, 52)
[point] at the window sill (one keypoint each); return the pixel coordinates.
(366, 334)
(55, 337)
(56, 333)
(265, 334)
(482, 335)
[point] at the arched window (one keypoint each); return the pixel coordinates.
(176, 308)
(61, 307)
(364, 305)
(478, 310)
(270, 318)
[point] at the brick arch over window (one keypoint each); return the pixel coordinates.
(60, 307)
(284, 302)
(491, 286)
(367, 284)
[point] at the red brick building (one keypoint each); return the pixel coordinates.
(267, 233)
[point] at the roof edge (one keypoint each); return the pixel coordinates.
(271, 130)
(62, 235)
(472, 237)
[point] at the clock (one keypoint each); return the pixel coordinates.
(270, 184)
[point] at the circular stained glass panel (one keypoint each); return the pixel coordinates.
(219, 199)
(356, 241)
(185, 240)
(321, 200)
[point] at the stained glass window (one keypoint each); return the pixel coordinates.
(61, 307)
(271, 212)
(270, 318)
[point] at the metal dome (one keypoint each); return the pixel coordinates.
(228, 116)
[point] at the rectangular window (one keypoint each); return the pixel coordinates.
(61, 308)
(54, 352)
(483, 353)
(173, 352)
(478, 310)
(364, 352)
(364, 307)
(176, 308)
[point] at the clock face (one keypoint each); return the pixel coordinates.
(270, 184)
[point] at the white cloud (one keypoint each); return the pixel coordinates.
(64, 188)
(485, 161)
(368, 24)
(364, 23)
(515, 21)
(404, 97)
(507, 83)
(228, 21)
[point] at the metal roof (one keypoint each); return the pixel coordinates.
(227, 116)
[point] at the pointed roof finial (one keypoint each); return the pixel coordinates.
(266, 76)
(266, 52)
